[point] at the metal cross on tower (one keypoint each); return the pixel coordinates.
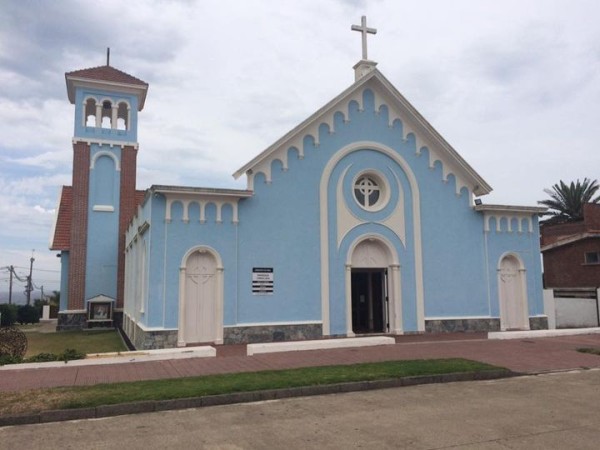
(364, 30)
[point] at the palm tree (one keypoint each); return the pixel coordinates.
(567, 200)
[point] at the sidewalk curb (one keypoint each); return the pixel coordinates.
(60, 415)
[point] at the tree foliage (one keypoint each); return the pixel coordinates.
(567, 200)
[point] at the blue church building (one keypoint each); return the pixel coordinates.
(360, 220)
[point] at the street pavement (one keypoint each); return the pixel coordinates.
(549, 411)
(527, 355)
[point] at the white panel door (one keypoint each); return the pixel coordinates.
(513, 301)
(200, 298)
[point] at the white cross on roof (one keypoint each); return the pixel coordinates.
(364, 30)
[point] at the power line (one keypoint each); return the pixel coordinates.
(37, 270)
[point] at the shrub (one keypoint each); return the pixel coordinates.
(28, 314)
(13, 342)
(70, 354)
(9, 314)
(42, 357)
(7, 359)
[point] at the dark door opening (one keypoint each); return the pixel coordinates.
(369, 312)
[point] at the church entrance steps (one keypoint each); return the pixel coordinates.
(321, 344)
(542, 333)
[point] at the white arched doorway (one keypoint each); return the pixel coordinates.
(200, 297)
(512, 292)
(373, 302)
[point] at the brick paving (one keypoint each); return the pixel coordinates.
(530, 355)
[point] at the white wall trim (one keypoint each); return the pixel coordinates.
(268, 324)
(460, 317)
(103, 208)
(101, 153)
(101, 142)
(324, 227)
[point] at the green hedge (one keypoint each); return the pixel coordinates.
(28, 314)
(9, 314)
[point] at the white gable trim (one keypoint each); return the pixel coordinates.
(399, 109)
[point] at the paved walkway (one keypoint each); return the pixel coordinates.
(531, 355)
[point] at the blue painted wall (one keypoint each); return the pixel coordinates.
(279, 228)
(526, 246)
(103, 226)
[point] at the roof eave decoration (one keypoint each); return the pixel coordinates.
(208, 192)
(399, 108)
(511, 209)
(138, 89)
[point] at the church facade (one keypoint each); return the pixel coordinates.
(361, 220)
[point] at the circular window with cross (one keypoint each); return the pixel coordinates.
(371, 191)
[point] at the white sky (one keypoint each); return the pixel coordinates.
(512, 85)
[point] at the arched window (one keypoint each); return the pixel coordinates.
(89, 112)
(123, 116)
(106, 114)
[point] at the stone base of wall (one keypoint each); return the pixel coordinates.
(461, 325)
(150, 340)
(272, 333)
(475, 325)
(78, 321)
(71, 321)
(538, 323)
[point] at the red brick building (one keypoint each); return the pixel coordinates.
(571, 251)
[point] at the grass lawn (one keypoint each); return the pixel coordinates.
(107, 394)
(83, 341)
(592, 350)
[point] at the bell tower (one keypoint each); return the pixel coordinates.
(103, 195)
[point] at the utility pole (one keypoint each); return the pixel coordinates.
(10, 269)
(29, 283)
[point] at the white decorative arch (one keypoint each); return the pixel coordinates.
(391, 263)
(219, 293)
(105, 153)
(324, 226)
(514, 255)
(387, 245)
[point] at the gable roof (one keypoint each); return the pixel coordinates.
(61, 233)
(399, 108)
(570, 240)
(60, 238)
(106, 73)
(106, 76)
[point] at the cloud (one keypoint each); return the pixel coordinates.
(511, 85)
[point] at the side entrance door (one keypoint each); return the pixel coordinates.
(200, 298)
(513, 296)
